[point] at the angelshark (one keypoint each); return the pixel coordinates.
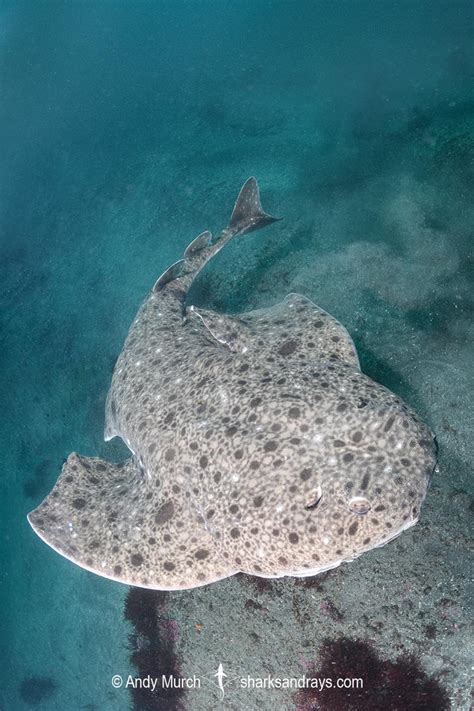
(257, 444)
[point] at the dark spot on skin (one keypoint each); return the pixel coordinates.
(305, 474)
(117, 569)
(254, 464)
(169, 454)
(234, 533)
(294, 412)
(254, 402)
(388, 424)
(169, 566)
(239, 453)
(101, 467)
(136, 559)
(352, 530)
(357, 436)
(348, 457)
(203, 461)
(217, 477)
(293, 538)
(287, 348)
(270, 446)
(201, 554)
(79, 503)
(406, 462)
(365, 481)
(258, 501)
(338, 443)
(169, 418)
(380, 507)
(164, 513)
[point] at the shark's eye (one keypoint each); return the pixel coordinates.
(314, 498)
(359, 505)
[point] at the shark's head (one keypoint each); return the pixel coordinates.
(314, 466)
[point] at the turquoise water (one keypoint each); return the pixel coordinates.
(128, 128)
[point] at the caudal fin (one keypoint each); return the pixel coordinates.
(248, 214)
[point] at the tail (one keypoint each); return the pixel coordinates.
(247, 216)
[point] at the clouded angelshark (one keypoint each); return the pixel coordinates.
(257, 444)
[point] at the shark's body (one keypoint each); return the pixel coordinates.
(258, 445)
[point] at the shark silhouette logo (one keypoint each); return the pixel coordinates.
(220, 679)
(220, 675)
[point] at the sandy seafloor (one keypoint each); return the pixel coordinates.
(126, 129)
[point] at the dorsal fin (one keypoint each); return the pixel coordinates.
(248, 213)
(174, 271)
(200, 242)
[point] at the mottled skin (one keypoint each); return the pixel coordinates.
(258, 444)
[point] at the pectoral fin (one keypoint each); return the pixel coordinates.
(113, 520)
